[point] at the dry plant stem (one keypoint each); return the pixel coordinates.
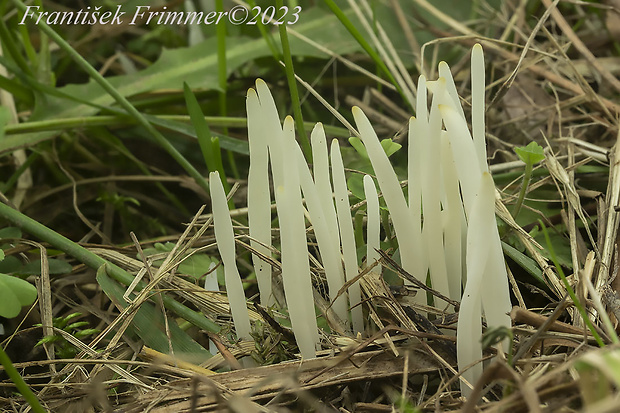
(501, 370)
(386, 50)
(522, 316)
(45, 300)
(587, 273)
(612, 200)
(473, 37)
(388, 261)
(508, 83)
(578, 44)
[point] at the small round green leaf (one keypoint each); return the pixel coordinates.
(14, 294)
(531, 154)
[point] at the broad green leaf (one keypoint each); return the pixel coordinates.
(196, 265)
(561, 245)
(358, 146)
(14, 294)
(10, 232)
(390, 147)
(10, 264)
(55, 267)
(531, 154)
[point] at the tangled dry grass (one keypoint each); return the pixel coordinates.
(554, 83)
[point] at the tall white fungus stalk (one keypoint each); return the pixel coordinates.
(259, 199)
(294, 247)
(347, 236)
(226, 246)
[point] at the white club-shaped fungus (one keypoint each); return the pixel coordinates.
(259, 199)
(347, 236)
(295, 261)
(225, 238)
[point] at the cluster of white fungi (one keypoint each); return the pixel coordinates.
(446, 228)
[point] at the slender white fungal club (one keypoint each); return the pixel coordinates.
(347, 236)
(225, 238)
(295, 261)
(373, 227)
(259, 199)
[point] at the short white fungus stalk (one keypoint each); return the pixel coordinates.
(225, 238)
(295, 262)
(418, 131)
(450, 87)
(323, 185)
(211, 284)
(259, 199)
(272, 131)
(372, 221)
(322, 180)
(347, 236)
(455, 226)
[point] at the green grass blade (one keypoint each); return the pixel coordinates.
(292, 85)
(569, 289)
(121, 100)
(210, 150)
(93, 261)
(362, 42)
